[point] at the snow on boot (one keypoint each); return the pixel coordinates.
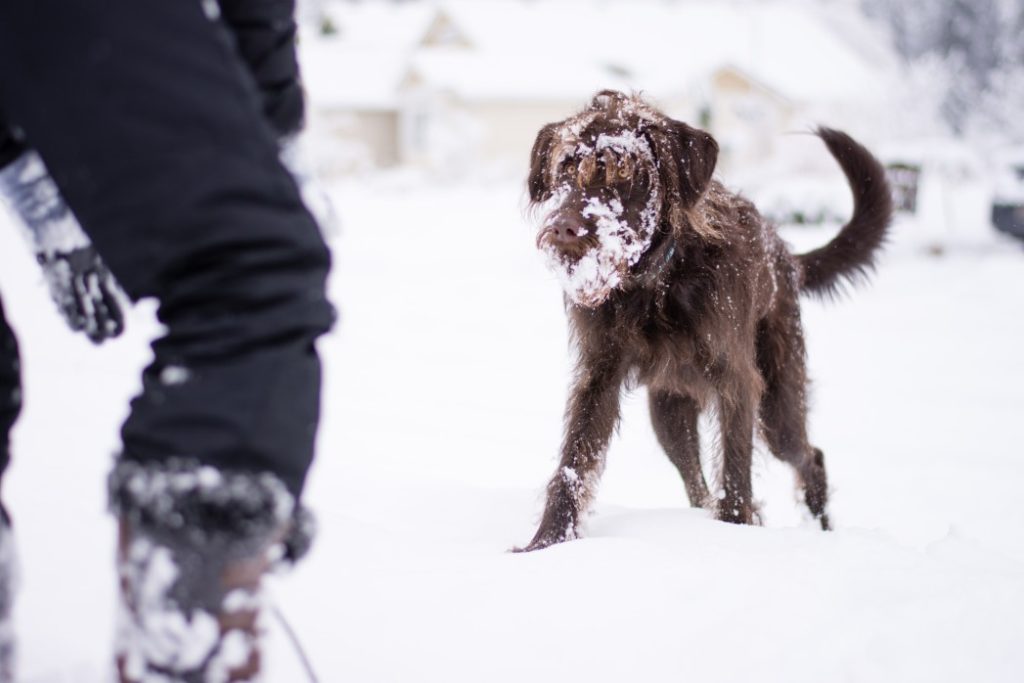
(194, 543)
(8, 570)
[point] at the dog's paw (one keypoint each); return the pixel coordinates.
(539, 544)
(533, 545)
(546, 538)
(737, 513)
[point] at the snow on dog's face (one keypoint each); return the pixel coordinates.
(602, 213)
(603, 193)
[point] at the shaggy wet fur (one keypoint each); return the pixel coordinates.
(705, 314)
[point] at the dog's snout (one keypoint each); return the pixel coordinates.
(562, 231)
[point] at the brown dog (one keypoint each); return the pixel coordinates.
(678, 284)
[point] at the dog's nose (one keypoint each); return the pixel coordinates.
(560, 231)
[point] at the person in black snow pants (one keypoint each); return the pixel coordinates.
(147, 141)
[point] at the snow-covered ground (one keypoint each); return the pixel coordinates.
(442, 412)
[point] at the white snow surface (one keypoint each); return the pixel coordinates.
(443, 402)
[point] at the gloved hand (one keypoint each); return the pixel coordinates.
(85, 291)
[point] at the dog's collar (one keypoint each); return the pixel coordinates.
(669, 254)
(654, 274)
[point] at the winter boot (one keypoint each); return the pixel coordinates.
(194, 543)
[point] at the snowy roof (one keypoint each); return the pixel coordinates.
(793, 49)
(930, 151)
(801, 57)
(380, 25)
(563, 49)
(337, 74)
(486, 76)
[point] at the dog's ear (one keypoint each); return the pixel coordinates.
(539, 182)
(698, 161)
(608, 101)
(686, 158)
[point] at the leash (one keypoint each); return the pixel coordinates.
(296, 643)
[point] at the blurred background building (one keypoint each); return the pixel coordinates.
(458, 88)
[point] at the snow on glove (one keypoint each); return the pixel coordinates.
(81, 285)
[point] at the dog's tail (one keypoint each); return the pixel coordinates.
(850, 256)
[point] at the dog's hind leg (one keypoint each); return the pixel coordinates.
(782, 361)
(674, 417)
(590, 420)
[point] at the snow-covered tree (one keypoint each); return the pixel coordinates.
(980, 43)
(969, 38)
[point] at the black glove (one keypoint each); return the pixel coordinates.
(85, 292)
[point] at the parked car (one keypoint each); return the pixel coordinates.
(1008, 200)
(942, 193)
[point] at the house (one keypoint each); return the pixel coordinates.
(352, 72)
(454, 85)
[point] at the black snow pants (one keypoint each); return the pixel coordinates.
(163, 141)
(10, 148)
(10, 361)
(10, 387)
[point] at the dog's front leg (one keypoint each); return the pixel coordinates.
(736, 416)
(591, 416)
